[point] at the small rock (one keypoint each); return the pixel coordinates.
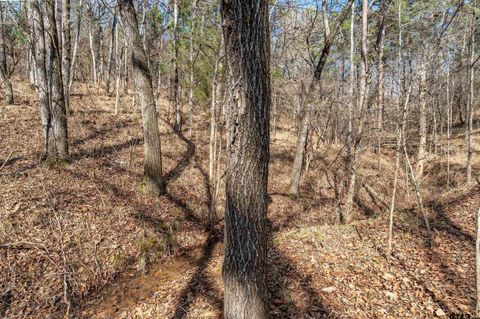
(329, 289)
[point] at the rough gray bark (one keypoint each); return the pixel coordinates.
(40, 57)
(57, 98)
(246, 32)
(4, 76)
(153, 183)
(49, 84)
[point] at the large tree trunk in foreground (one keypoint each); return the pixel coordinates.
(153, 183)
(245, 27)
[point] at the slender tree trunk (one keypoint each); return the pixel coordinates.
(118, 70)
(93, 55)
(471, 105)
(422, 121)
(246, 30)
(153, 182)
(4, 76)
(191, 65)
(113, 44)
(213, 121)
(363, 92)
(40, 56)
(176, 79)
(66, 51)
(381, 75)
(75, 46)
(351, 85)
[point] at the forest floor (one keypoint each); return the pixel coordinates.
(81, 240)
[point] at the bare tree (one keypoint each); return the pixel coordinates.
(4, 72)
(246, 30)
(66, 50)
(471, 105)
(315, 82)
(153, 182)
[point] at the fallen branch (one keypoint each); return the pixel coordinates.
(8, 158)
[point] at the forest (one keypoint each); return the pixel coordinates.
(239, 159)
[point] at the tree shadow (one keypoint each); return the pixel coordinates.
(106, 150)
(199, 283)
(182, 164)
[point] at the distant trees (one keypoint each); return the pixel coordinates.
(246, 30)
(153, 182)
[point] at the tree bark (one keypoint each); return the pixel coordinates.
(66, 51)
(75, 46)
(363, 98)
(4, 76)
(246, 32)
(153, 183)
(471, 105)
(191, 66)
(422, 121)
(113, 46)
(57, 98)
(40, 56)
(176, 79)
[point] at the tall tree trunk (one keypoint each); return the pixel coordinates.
(351, 89)
(176, 79)
(75, 46)
(363, 98)
(118, 69)
(422, 121)
(57, 98)
(471, 104)
(381, 73)
(191, 66)
(40, 56)
(4, 76)
(113, 46)
(66, 51)
(153, 182)
(246, 30)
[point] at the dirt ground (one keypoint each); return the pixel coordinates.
(81, 240)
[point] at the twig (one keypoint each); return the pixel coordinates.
(8, 158)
